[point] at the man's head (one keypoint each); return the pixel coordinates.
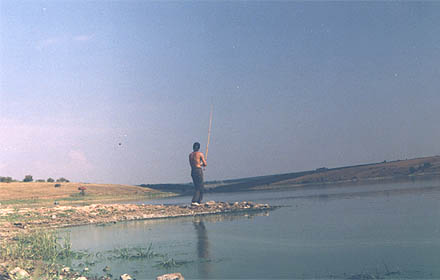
(196, 146)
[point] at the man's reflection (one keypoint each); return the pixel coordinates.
(202, 248)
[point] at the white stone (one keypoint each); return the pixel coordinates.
(170, 276)
(125, 276)
(19, 273)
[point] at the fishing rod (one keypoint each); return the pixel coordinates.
(209, 132)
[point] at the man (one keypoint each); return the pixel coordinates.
(197, 160)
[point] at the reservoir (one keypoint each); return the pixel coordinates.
(382, 230)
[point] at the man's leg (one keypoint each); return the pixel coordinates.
(196, 196)
(201, 191)
(197, 176)
(200, 185)
(196, 193)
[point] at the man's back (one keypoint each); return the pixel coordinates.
(196, 160)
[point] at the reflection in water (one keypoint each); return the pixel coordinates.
(204, 264)
(202, 248)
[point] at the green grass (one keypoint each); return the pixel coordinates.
(41, 253)
(167, 263)
(79, 199)
(21, 201)
(20, 217)
(133, 253)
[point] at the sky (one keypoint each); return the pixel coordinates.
(118, 91)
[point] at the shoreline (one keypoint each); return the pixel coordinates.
(14, 221)
(333, 184)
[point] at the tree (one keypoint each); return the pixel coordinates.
(6, 179)
(28, 178)
(62, 179)
(40, 181)
(50, 180)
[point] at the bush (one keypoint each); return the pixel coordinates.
(28, 178)
(57, 185)
(63, 180)
(50, 180)
(40, 181)
(6, 179)
(412, 170)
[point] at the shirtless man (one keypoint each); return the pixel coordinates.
(197, 160)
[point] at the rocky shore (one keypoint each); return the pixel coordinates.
(15, 221)
(23, 221)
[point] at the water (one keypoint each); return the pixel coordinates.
(320, 233)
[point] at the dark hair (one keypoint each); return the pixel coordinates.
(196, 146)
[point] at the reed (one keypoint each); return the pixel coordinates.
(40, 253)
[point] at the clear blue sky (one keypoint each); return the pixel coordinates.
(295, 86)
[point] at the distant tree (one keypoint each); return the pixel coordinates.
(62, 180)
(40, 180)
(6, 179)
(50, 180)
(28, 178)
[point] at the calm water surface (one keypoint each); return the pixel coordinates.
(392, 230)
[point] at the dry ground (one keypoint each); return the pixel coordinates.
(32, 193)
(381, 171)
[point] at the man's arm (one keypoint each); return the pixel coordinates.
(202, 159)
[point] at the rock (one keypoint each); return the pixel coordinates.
(171, 276)
(54, 217)
(106, 269)
(81, 278)
(18, 273)
(86, 269)
(20, 225)
(251, 204)
(125, 276)
(65, 269)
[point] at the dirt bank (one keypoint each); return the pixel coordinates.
(14, 221)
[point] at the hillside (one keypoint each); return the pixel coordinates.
(395, 170)
(31, 193)
(425, 168)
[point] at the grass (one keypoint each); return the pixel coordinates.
(16, 216)
(167, 263)
(134, 253)
(41, 253)
(34, 194)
